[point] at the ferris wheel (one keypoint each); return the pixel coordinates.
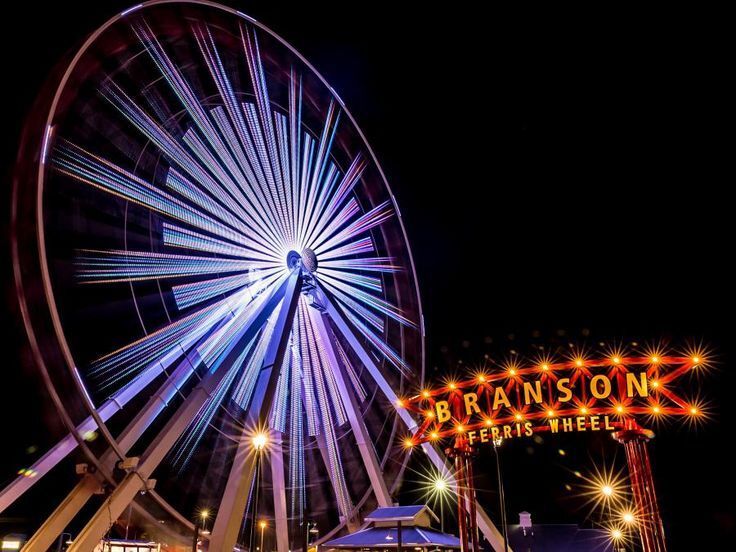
(216, 284)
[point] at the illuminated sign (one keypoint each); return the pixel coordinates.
(580, 394)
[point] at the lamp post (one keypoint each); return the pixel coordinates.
(313, 532)
(501, 498)
(259, 442)
(635, 439)
(440, 487)
(199, 524)
(629, 520)
(262, 524)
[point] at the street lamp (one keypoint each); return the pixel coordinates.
(441, 487)
(618, 539)
(199, 524)
(260, 441)
(501, 498)
(262, 524)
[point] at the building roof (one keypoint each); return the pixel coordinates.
(399, 513)
(386, 537)
(554, 538)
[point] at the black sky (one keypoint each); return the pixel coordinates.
(557, 171)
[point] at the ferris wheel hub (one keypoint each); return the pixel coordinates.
(307, 257)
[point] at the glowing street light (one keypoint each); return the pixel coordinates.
(607, 491)
(262, 524)
(440, 484)
(204, 514)
(441, 488)
(497, 442)
(260, 441)
(628, 517)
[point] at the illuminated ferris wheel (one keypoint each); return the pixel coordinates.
(210, 259)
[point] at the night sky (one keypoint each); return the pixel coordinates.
(561, 175)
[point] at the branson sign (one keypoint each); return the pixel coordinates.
(576, 395)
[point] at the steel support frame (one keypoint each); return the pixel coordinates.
(232, 505)
(485, 524)
(77, 498)
(649, 521)
(106, 410)
(280, 517)
(136, 480)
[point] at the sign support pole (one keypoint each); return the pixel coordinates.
(651, 531)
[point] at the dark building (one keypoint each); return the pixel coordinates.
(530, 537)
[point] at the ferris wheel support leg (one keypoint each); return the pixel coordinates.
(137, 479)
(106, 410)
(63, 515)
(232, 505)
(352, 408)
(280, 518)
(78, 497)
(344, 515)
(485, 524)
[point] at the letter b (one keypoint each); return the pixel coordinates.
(443, 411)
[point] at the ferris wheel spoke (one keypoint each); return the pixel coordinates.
(183, 238)
(137, 354)
(297, 476)
(251, 187)
(237, 137)
(317, 168)
(325, 186)
(369, 220)
(186, 95)
(280, 406)
(349, 179)
(102, 174)
(260, 123)
(328, 397)
(365, 357)
(187, 295)
(175, 152)
(357, 247)
(332, 461)
(188, 442)
(350, 209)
(351, 405)
(351, 278)
(348, 291)
(286, 190)
(355, 307)
(234, 193)
(331, 414)
(385, 265)
(105, 267)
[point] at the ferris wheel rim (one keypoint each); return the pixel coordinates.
(59, 331)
